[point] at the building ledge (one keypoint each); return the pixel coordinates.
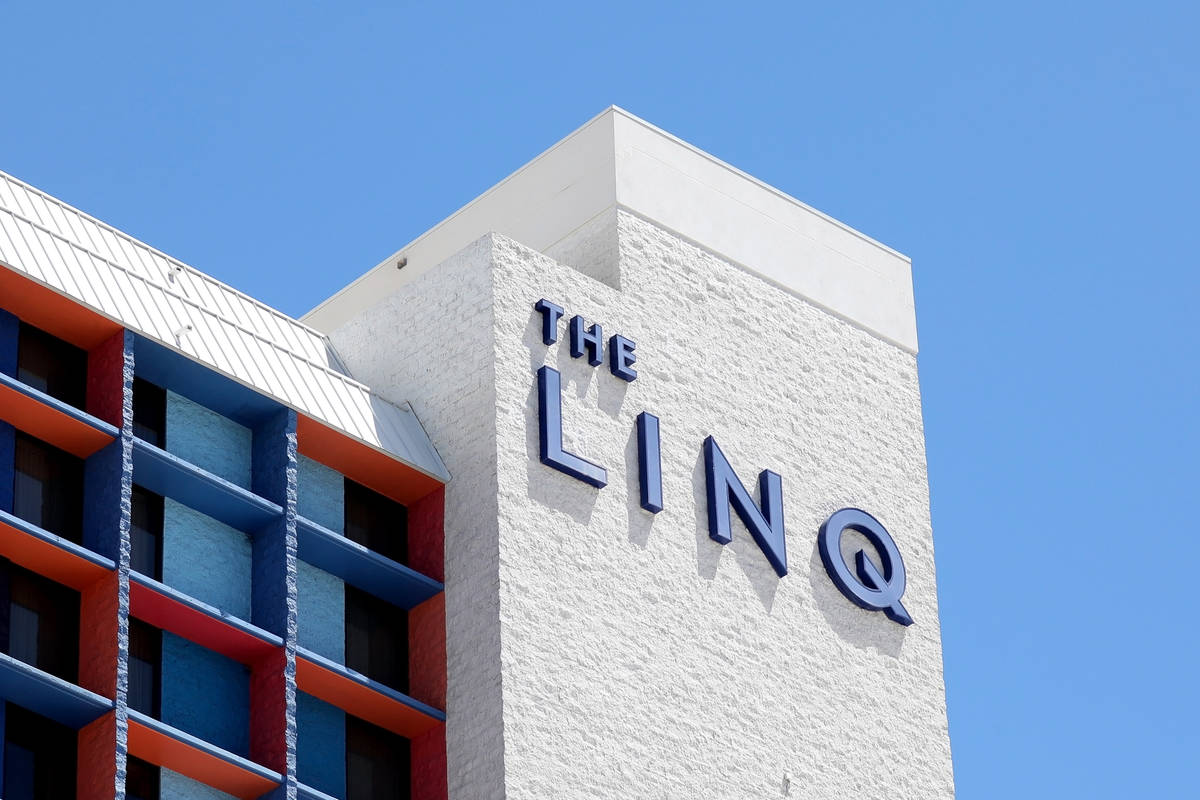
(209, 627)
(161, 744)
(170, 476)
(48, 695)
(364, 698)
(51, 420)
(386, 579)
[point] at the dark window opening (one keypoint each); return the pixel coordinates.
(141, 780)
(48, 488)
(145, 668)
(51, 365)
(377, 762)
(39, 757)
(150, 412)
(146, 531)
(39, 621)
(376, 522)
(376, 639)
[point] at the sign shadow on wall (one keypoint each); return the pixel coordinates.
(866, 630)
(641, 522)
(748, 555)
(548, 487)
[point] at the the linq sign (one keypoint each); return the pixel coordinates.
(864, 584)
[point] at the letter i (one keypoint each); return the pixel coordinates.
(649, 462)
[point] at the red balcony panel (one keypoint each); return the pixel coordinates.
(427, 651)
(430, 780)
(96, 775)
(195, 625)
(98, 628)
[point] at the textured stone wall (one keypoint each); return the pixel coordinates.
(209, 440)
(628, 654)
(321, 612)
(321, 745)
(431, 345)
(321, 497)
(321, 494)
(206, 559)
(191, 677)
(181, 787)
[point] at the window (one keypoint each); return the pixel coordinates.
(146, 530)
(41, 621)
(51, 365)
(48, 488)
(376, 639)
(145, 668)
(377, 762)
(141, 780)
(376, 522)
(39, 757)
(149, 412)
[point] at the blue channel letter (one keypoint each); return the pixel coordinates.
(550, 430)
(649, 462)
(726, 490)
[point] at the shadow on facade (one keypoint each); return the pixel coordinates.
(747, 554)
(866, 630)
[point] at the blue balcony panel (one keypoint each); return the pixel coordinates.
(48, 695)
(309, 793)
(358, 566)
(170, 476)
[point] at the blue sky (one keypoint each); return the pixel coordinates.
(1038, 161)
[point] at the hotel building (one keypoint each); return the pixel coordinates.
(612, 484)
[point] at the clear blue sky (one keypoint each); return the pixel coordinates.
(1038, 161)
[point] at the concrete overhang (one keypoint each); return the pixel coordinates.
(618, 161)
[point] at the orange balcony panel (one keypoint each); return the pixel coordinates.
(49, 424)
(198, 763)
(362, 463)
(361, 700)
(47, 558)
(52, 312)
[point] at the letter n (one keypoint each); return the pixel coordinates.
(725, 491)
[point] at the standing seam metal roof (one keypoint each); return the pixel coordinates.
(160, 297)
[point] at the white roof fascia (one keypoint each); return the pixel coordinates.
(618, 160)
(159, 297)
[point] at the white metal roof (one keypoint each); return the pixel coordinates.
(159, 297)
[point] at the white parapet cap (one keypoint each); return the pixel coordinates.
(620, 161)
(159, 297)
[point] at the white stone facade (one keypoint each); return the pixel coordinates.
(596, 650)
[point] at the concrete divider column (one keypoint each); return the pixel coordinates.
(273, 602)
(104, 606)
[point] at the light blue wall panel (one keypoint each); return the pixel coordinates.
(321, 612)
(206, 559)
(209, 440)
(321, 495)
(205, 694)
(320, 745)
(180, 787)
